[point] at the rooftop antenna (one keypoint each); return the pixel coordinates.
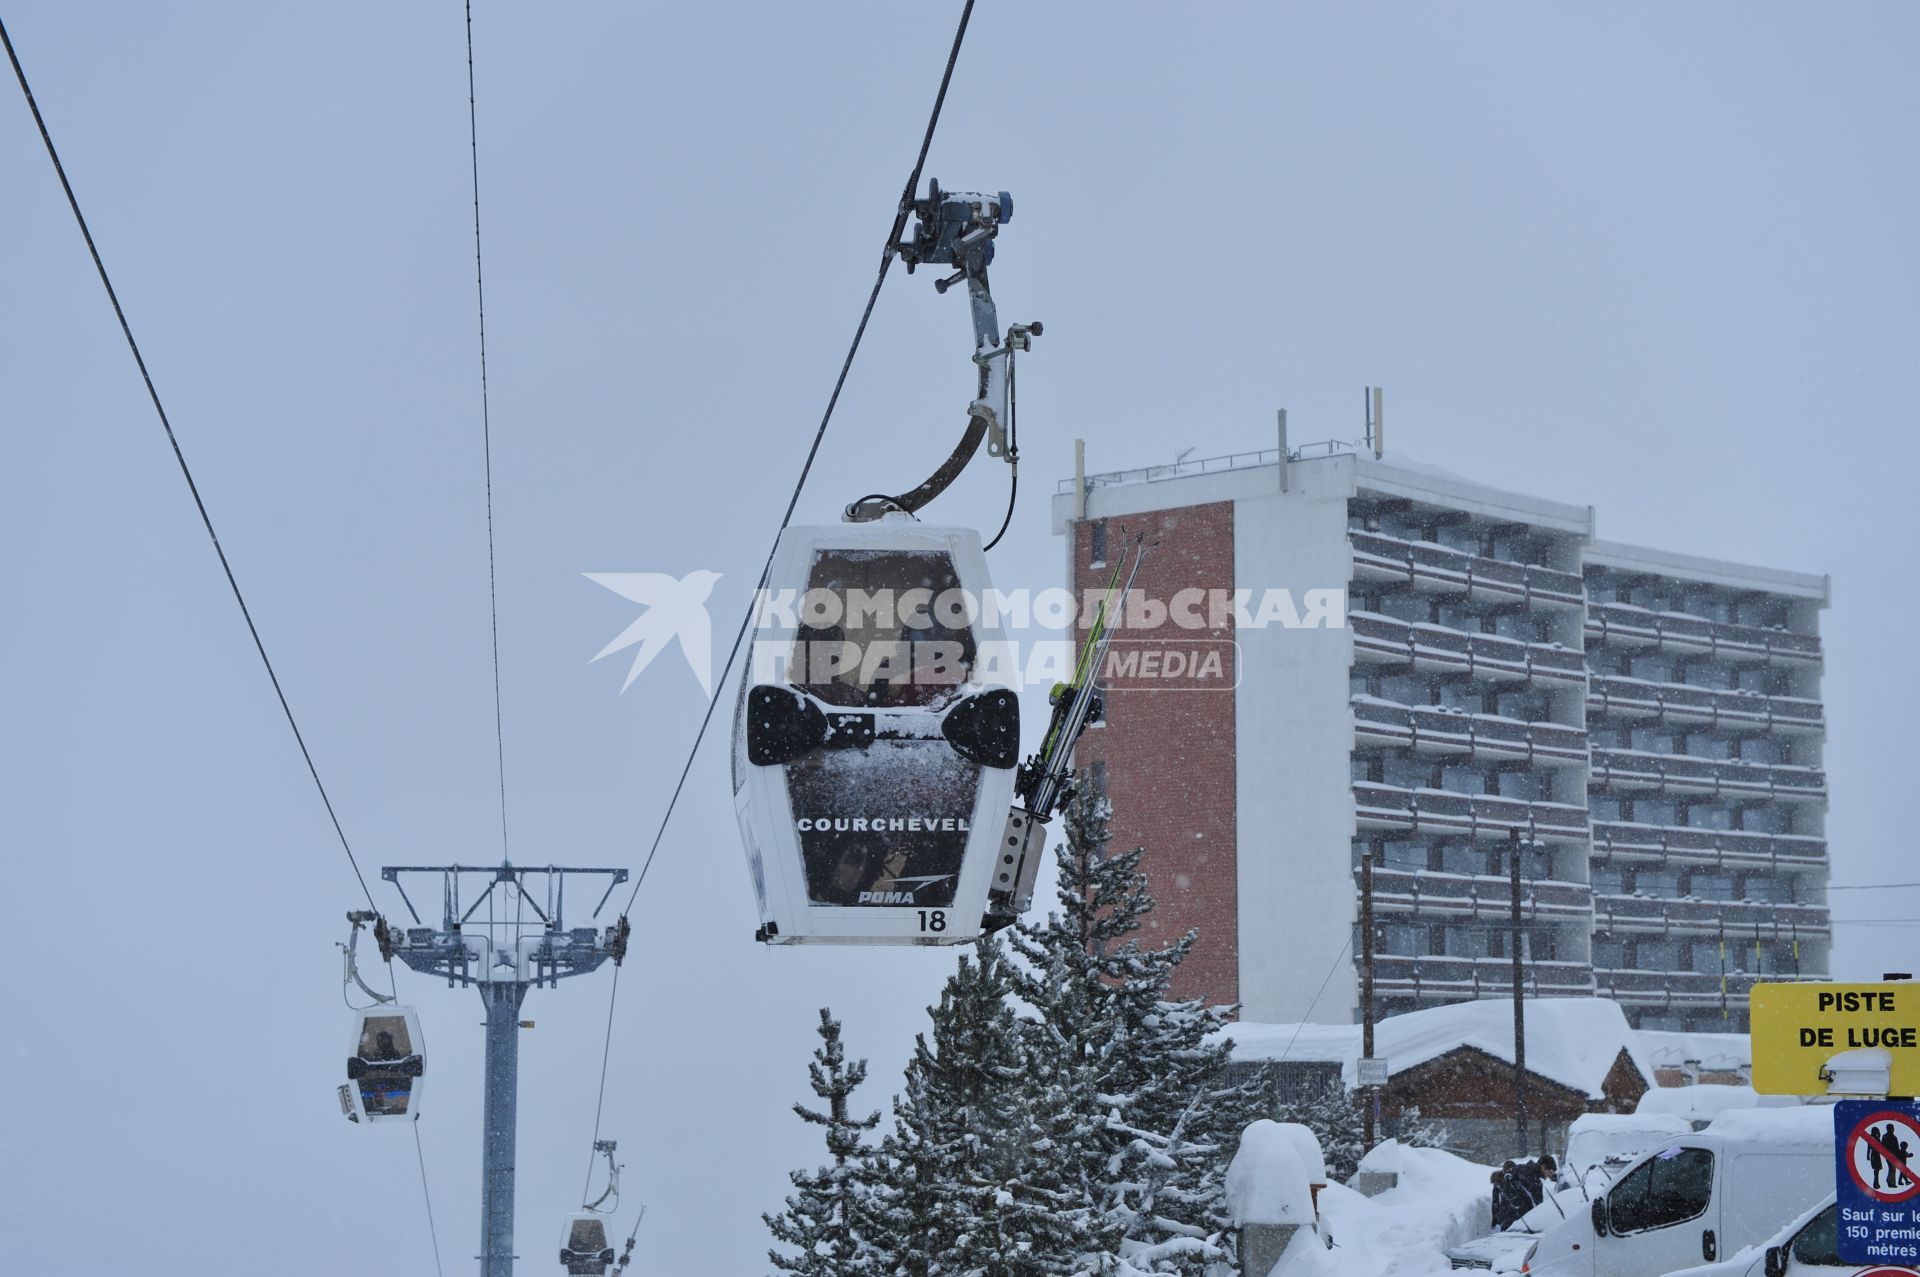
(1373, 410)
(1183, 455)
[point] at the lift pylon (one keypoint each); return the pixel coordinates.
(510, 938)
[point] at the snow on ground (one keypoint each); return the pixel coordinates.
(1440, 1201)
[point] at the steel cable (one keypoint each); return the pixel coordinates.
(179, 456)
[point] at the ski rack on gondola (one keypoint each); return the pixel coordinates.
(1044, 783)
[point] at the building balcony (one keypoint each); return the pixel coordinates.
(1720, 848)
(1425, 895)
(1634, 769)
(1622, 624)
(1377, 637)
(1611, 694)
(1679, 989)
(1436, 729)
(1380, 806)
(1426, 566)
(1739, 920)
(1461, 979)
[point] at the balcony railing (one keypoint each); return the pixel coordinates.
(1637, 698)
(1731, 848)
(1630, 626)
(1458, 979)
(1434, 727)
(1738, 920)
(1642, 769)
(1425, 565)
(1679, 988)
(1483, 655)
(1391, 807)
(1448, 895)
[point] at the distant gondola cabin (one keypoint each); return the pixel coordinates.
(387, 1063)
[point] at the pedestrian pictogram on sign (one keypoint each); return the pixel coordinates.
(1876, 1149)
(1883, 1153)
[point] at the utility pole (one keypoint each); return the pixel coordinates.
(1519, 998)
(521, 942)
(1371, 1100)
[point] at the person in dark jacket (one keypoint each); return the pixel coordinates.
(1518, 1187)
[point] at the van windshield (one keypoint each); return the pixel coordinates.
(1818, 1242)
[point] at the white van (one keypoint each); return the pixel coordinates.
(1808, 1247)
(1698, 1199)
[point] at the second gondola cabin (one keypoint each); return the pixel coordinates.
(876, 736)
(386, 1065)
(585, 1250)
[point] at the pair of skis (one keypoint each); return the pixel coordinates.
(1044, 783)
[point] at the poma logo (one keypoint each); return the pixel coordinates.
(902, 897)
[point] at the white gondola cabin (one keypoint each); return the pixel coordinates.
(385, 1066)
(876, 737)
(584, 1247)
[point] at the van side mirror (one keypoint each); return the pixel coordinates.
(1599, 1217)
(1776, 1261)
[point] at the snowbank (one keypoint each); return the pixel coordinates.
(1440, 1201)
(1267, 1182)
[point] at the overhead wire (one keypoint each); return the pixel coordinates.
(901, 212)
(421, 1157)
(206, 519)
(186, 472)
(1338, 958)
(486, 431)
(846, 365)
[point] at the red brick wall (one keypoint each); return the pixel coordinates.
(1168, 745)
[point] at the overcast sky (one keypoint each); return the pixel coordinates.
(1657, 259)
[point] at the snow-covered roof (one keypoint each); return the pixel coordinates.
(1707, 1100)
(1803, 1124)
(1716, 1052)
(1572, 1041)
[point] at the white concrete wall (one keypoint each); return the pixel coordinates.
(1296, 824)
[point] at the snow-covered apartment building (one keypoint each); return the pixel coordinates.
(1647, 723)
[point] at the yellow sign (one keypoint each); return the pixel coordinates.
(1799, 1028)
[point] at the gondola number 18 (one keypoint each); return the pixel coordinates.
(933, 919)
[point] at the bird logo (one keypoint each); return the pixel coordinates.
(676, 608)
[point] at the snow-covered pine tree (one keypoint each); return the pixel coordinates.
(1336, 1118)
(965, 1187)
(824, 1221)
(1169, 1120)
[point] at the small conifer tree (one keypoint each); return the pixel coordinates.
(824, 1220)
